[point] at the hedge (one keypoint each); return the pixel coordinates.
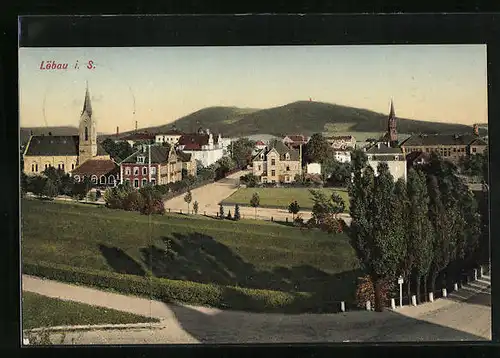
(193, 293)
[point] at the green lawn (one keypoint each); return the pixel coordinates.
(249, 254)
(282, 197)
(41, 311)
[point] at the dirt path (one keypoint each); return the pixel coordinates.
(464, 316)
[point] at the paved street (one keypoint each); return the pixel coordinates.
(465, 315)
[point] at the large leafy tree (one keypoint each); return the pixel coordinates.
(119, 150)
(241, 151)
(317, 149)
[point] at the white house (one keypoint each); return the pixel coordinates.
(394, 157)
(171, 137)
(342, 156)
(342, 142)
(313, 168)
(204, 147)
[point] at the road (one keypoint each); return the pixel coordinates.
(465, 315)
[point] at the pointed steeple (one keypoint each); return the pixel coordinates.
(392, 113)
(87, 106)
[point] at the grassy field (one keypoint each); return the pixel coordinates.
(192, 248)
(41, 311)
(282, 197)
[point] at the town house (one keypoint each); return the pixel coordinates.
(171, 137)
(205, 148)
(277, 164)
(394, 157)
(295, 140)
(152, 164)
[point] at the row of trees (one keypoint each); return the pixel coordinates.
(423, 229)
(54, 182)
(147, 200)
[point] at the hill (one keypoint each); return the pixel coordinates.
(300, 117)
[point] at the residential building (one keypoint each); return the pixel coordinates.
(295, 140)
(342, 156)
(138, 138)
(171, 137)
(259, 145)
(188, 163)
(203, 146)
(342, 142)
(277, 163)
(153, 164)
(449, 146)
(65, 152)
(414, 159)
(394, 157)
(102, 172)
(313, 168)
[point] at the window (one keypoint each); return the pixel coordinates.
(153, 170)
(287, 156)
(111, 180)
(288, 168)
(86, 133)
(36, 168)
(62, 166)
(273, 161)
(260, 167)
(287, 178)
(33, 167)
(153, 182)
(94, 179)
(136, 171)
(454, 150)
(72, 166)
(127, 171)
(144, 182)
(264, 180)
(273, 173)
(473, 150)
(140, 159)
(136, 183)
(144, 171)
(77, 178)
(127, 181)
(103, 179)
(46, 166)
(262, 156)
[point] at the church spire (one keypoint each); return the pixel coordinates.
(87, 107)
(391, 113)
(392, 134)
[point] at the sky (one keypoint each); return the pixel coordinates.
(157, 85)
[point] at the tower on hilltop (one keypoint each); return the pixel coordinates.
(87, 131)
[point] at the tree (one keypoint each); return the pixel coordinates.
(237, 212)
(118, 151)
(221, 211)
(377, 240)
(188, 198)
(223, 166)
(255, 202)
(294, 208)
(334, 172)
(195, 207)
(241, 152)
(49, 189)
(250, 180)
(24, 184)
(325, 207)
(317, 149)
(229, 216)
(37, 184)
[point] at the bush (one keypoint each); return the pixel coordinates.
(133, 201)
(299, 220)
(166, 290)
(237, 215)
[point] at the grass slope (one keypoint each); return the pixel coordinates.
(281, 197)
(246, 254)
(41, 311)
(302, 117)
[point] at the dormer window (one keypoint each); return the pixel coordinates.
(262, 156)
(141, 159)
(287, 156)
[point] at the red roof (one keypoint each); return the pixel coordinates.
(96, 167)
(260, 143)
(297, 138)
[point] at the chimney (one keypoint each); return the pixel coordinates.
(475, 129)
(117, 130)
(136, 126)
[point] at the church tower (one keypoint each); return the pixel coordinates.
(87, 131)
(392, 134)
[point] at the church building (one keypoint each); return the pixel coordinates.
(65, 152)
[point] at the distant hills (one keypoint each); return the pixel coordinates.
(303, 117)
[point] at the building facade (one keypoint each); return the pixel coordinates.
(394, 157)
(295, 140)
(313, 168)
(205, 148)
(101, 172)
(171, 137)
(449, 146)
(277, 164)
(342, 142)
(65, 152)
(342, 156)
